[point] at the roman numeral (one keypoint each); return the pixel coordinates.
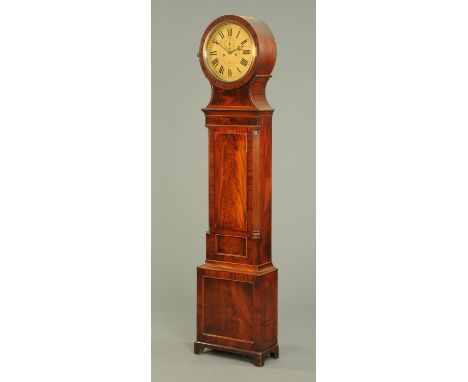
(221, 69)
(238, 34)
(229, 73)
(229, 31)
(238, 69)
(221, 34)
(244, 62)
(214, 53)
(215, 62)
(243, 42)
(246, 51)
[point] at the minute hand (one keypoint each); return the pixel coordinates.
(222, 47)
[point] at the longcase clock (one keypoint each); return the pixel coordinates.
(237, 286)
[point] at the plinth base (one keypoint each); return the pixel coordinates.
(258, 358)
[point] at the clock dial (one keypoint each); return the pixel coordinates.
(229, 52)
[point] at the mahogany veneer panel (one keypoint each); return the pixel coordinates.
(231, 246)
(230, 180)
(228, 309)
(237, 308)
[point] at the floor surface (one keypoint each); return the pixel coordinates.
(173, 358)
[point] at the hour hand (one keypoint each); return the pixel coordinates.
(238, 48)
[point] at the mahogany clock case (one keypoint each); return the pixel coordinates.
(180, 187)
(237, 287)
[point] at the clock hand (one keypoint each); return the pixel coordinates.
(238, 48)
(216, 42)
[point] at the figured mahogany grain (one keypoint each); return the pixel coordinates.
(228, 309)
(230, 173)
(231, 245)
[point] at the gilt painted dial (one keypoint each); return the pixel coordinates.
(229, 51)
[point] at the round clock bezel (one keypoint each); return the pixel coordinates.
(205, 53)
(209, 31)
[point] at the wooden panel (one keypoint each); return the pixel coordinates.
(264, 174)
(228, 309)
(230, 181)
(230, 120)
(266, 301)
(231, 248)
(231, 245)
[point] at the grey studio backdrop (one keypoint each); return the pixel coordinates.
(180, 188)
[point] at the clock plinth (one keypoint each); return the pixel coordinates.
(237, 286)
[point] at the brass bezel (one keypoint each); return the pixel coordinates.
(205, 54)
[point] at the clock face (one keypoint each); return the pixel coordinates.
(229, 51)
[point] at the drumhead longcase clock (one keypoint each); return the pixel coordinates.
(237, 286)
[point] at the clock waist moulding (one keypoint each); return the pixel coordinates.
(237, 286)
